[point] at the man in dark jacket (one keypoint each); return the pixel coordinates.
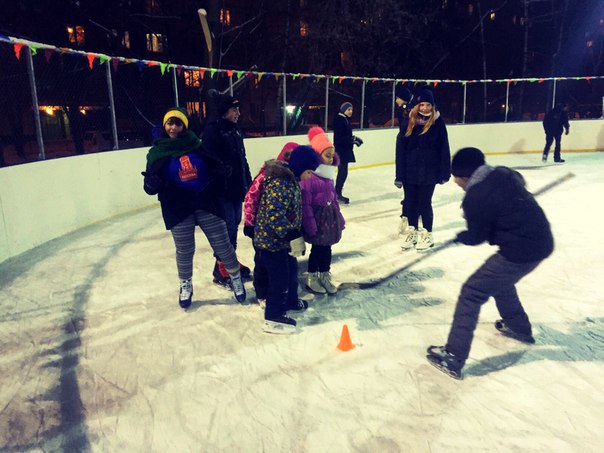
(554, 122)
(500, 210)
(223, 139)
(343, 140)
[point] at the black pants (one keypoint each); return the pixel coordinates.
(418, 203)
(276, 279)
(497, 277)
(549, 139)
(341, 177)
(319, 259)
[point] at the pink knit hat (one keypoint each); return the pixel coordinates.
(286, 151)
(318, 140)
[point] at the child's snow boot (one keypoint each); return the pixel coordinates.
(325, 280)
(186, 293)
(424, 240)
(314, 283)
(409, 238)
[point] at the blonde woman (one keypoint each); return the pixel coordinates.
(423, 160)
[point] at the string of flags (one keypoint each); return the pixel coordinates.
(100, 59)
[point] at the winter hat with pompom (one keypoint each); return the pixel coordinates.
(318, 140)
(303, 158)
(285, 153)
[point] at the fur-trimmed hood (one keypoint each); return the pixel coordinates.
(278, 169)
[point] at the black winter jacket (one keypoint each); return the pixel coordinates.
(424, 159)
(555, 121)
(500, 210)
(342, 138)
(224, 140)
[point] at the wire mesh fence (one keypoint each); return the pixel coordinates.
(59, 102)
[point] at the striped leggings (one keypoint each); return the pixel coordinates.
(215, 230)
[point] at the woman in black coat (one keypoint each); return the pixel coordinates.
(423, 159)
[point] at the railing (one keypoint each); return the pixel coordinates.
(59, 102)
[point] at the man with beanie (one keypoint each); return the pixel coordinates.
(498, 209)
(344, 141)
(223, 139)
(554, 123)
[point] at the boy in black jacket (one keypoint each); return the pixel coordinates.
(500, 210)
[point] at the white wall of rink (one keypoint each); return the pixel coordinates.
(42, 201)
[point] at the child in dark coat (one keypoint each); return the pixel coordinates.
(278, 221)
(500, 210)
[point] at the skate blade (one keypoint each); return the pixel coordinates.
(278, 328)
(435, 362)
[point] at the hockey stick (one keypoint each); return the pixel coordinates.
(378, 281)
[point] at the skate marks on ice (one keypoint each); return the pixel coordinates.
(583, 343)
(375, 307)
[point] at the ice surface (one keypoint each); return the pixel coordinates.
(98, 356)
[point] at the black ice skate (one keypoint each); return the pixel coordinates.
(300, 305)
(282, 325)
(505, 330)
(439, 357)
(186, 293)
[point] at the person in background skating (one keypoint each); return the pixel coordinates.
(343, 141)
(500, 210)
(250, 209)
(277, 223)
(423, 160)
(402, 99)
(223, 139)
(181, 174)
(554, 123)
(322, 219)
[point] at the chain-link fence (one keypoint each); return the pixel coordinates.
(60, 102)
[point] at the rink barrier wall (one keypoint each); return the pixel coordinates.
(41, 201)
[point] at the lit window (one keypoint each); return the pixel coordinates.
(156, 42)
(126, 40)
(492, 15)
(589, 43)
(192, 79)
(76, 35)
(303, 29)
(225, 17)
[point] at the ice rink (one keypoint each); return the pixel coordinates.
(97, 355)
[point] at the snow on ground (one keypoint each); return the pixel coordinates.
(97, 355)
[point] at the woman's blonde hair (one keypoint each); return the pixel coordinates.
(413, 120)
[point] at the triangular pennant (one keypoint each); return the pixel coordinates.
(239, 74)
(47, 54)
(202, 73)
(260, 74)
(103, 58)
(588, 78)
(179, 71)
(18, 47)
(162, 67)
(34, 50)
(4, 37)
(295, 76)
(230, 73)
(340, 80)
(151, 63)
(91, 58)
(435, 83)
(540, 81)
(115, 64)
(212, 72)
(140, 65)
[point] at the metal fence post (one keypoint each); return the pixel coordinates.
(284, 105)
(326, 99)
(393, 101)
(507, 100)
(34, 101)
(554, 95)
(465, 97)
(111, 104)
(175, 87)
(363, 102)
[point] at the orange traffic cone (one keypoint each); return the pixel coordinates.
(345, 343)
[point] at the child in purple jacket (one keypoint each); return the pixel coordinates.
(322, 220)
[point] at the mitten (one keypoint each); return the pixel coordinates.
(248, 230)
(297, 247)
(152, 184)
(398, 184)
(357, 140)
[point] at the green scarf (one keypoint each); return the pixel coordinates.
(172, 147)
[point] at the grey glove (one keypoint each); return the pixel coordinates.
(298, 247)
(398, 184)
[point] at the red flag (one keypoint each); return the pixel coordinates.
(91, 58)
(18, 47)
